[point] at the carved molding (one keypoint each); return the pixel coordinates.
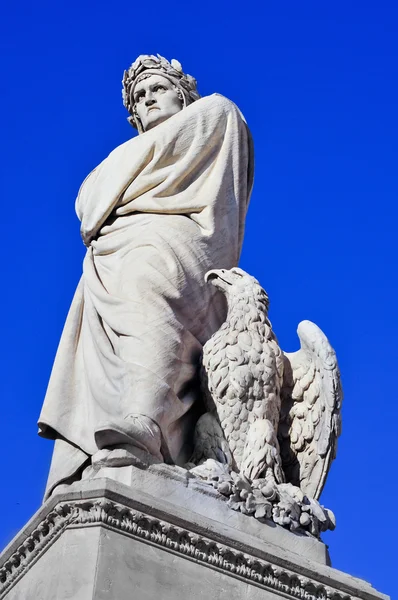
(165, 535)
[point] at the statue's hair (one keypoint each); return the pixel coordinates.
(148, 64)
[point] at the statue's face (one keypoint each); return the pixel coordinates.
(156, 99)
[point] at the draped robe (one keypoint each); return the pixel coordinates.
(156, 214)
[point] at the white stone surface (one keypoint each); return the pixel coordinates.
(156, 214)
(181, 491)
(106, 541)
(272, 416)
(149, 64)
(67, 572)
(156, 100)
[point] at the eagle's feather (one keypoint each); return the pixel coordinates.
(272, 415)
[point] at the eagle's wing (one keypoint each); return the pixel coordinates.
(310, 421)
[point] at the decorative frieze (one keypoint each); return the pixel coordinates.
(160, 533)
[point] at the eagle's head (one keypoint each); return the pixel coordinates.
(237, 285)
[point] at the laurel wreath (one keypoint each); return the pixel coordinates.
(149, 61)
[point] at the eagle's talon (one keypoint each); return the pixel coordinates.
(274, 416)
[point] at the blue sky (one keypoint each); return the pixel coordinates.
(317, 83)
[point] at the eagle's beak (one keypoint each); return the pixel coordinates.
(211, 275)
(217, 277)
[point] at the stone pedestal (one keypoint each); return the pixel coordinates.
(159, 534)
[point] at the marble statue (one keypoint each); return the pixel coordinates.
(163, 218)
(270, 431)
(158, 213)
(188, 446)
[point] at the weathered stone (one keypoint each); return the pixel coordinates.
(272, 416)
(123, 398)
(156, 214)
(102, 540)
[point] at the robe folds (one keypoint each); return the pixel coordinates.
(158, 213)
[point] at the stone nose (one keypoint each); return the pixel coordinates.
(149, 100)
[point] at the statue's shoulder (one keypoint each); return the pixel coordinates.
(218, 101)
(216, 104)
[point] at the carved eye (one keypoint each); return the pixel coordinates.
(237, 273)
(159, 88)
(139, 97)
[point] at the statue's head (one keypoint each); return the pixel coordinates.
(155, 89)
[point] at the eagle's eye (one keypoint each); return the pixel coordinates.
(237, 273)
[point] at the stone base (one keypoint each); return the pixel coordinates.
(118, 540)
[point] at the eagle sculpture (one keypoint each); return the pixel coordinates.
(270, 431)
